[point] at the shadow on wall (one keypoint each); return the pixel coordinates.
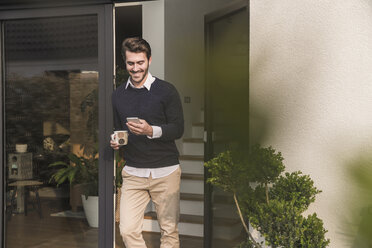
(357, 229)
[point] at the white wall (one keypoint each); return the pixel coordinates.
(311, 71)
(153, 32)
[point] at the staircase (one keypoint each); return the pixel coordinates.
(192, 194)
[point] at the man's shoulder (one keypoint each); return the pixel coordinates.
(118, 90)
(163, 85)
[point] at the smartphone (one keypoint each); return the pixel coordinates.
(133, 119)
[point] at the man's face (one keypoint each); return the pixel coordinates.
(137, 66)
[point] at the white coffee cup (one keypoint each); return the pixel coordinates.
(120, 137)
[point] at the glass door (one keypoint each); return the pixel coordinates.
(54, 157)
(227, 115)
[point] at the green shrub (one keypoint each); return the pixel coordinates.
(271, 202)
(279, 222)
(312, 233)
(295, 187)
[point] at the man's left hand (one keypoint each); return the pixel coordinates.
(142, 128)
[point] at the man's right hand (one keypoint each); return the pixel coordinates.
(114, 144)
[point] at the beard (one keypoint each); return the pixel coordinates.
(139, 76)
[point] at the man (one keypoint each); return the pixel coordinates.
(152, 168)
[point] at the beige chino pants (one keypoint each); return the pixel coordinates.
(136, 194)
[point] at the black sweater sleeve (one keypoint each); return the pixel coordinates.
(117, 123)
(174, 127)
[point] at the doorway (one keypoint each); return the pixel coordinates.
(128, 23)
(227, 112)
(146, 20)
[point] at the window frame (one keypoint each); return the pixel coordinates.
(104, 14)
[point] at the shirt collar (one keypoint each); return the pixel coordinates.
(149, 80)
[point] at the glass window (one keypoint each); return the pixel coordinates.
(228, 80)
(51, 132)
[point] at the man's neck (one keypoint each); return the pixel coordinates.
(139, 85)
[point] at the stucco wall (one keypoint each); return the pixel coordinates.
(311, 74)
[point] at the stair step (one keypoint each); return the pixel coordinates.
(189, 176)
(189, 229)
(186, 240)
(192, 225)
(196, 230)
(192, 197)
(193, 146)
(192, 166)
(193, 140)
(217, 199)
(197, 130)
(192, 184)
(196, 219)
(192, 157)
(192, 204)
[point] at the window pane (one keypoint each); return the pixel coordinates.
(51, 127)
(228, 60)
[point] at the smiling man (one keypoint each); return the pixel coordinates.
(152, 168)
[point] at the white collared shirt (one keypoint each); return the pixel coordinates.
(149, 80)
(156, 133)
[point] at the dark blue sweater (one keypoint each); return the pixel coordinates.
(161, 106)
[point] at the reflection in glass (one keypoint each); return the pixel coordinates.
(51, 131)
(228, 64)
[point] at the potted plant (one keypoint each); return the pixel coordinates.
(271, 202)
(81, 172)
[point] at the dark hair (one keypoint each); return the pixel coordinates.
(136, 45)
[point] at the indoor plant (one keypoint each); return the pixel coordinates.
(81, 172)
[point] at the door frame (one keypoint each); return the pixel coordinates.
(209, 19)
(104, 14)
